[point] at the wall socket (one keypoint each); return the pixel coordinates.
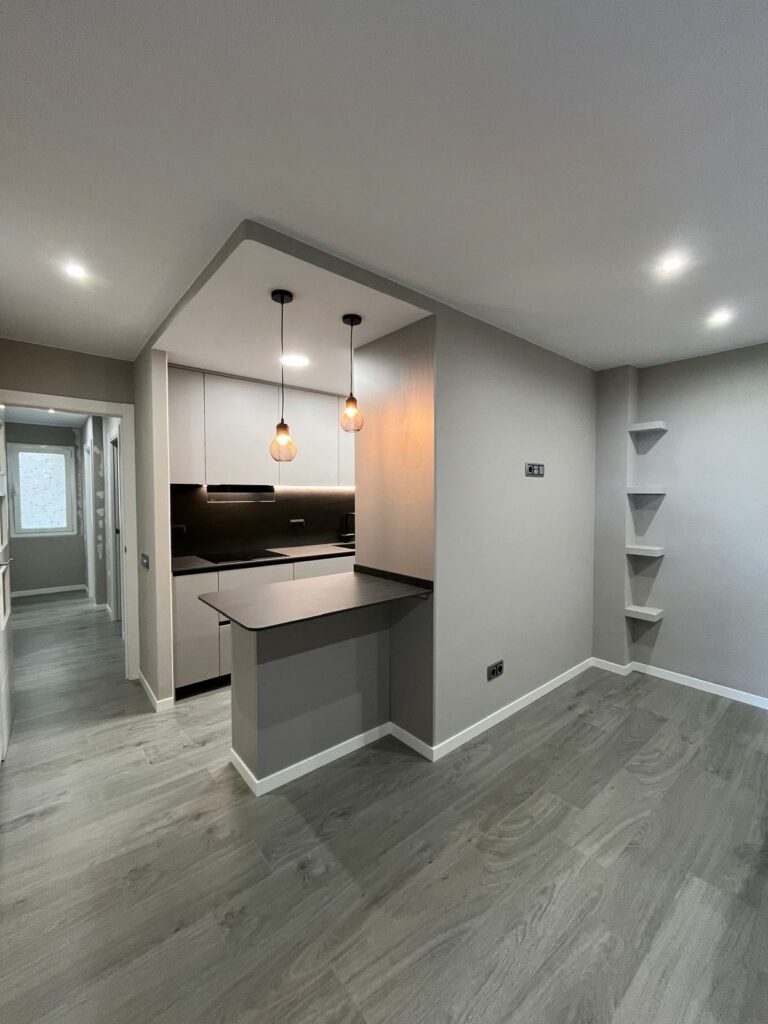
(495, 670)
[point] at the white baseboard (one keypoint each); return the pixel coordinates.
(159, 705)
(701, 684)
(100, 607)
(409, 740)
(48, 590)
(611, 666)
(496, 717)
(309, 764)
(434, 753)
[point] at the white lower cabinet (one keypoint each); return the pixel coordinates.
(323, 567)
(236, 579)
(202, 644)
(195, 629)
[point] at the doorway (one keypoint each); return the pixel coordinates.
(114, 478)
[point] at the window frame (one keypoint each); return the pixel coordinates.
(15, 448)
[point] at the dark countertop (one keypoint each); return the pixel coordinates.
(187, 564)
(277, 604)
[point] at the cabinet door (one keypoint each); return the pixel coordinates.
(346, 452)
(186, 426)
(323, 567)
(240, 418)
(314, 423)
(195, 629)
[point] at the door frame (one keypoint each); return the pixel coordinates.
(113, 451)
(125, 413)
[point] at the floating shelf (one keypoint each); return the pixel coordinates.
(637, 611)
(645, 550)
(646, 490)
(651, 427)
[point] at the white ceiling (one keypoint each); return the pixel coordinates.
(41, 417)
(233, 325)
(521, 160)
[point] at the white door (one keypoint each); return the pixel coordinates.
(6, 648)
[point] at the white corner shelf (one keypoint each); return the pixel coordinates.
(645, 550)
(651, 427)
(647, 614)
(647, 489)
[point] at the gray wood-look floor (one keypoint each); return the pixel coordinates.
(600, 857)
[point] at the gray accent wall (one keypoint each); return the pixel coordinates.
(514, 555)
(395, 452)
(42, 563)
(713, 521)
(153, 521)
(55, 371)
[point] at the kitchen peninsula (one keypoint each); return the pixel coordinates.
(313, 665)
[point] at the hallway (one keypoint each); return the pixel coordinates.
(598, 857)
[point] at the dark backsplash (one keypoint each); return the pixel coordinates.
(221, 526)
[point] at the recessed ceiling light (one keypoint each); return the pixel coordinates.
(671, 264)
(720, 317)
(294, 360)
(51, 411)
(75, 270)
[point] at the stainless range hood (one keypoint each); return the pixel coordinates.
(239, 494)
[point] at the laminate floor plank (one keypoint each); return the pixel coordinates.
(598, 858)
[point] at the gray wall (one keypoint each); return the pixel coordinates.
(43, 562)
(616, 410)
(514, 555)
(713, 521)
(395, 452)
(153, 525)
(56, 371)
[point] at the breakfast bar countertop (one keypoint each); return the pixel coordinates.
(277, 604)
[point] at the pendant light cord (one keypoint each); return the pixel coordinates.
(351, 362)
(282, 364)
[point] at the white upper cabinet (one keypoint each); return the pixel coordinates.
(186, 426)
(240, 419)
(314, 422)
(346, 450)
(220, 429)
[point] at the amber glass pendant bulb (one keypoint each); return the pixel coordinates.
(351, 419)
(283, 448)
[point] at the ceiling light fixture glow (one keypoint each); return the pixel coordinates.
(721, 317)
(75, 270)
(51, 412)
(294, 360)
(672, 264)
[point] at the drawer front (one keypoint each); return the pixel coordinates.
(323, 567)
(242, 579)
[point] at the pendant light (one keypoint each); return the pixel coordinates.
(351, 420)
(283, 448)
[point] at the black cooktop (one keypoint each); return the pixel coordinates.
(239, 556)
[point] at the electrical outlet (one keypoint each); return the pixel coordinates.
(495, 670)
(534, 469)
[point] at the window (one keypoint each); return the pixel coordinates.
(42, 489)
